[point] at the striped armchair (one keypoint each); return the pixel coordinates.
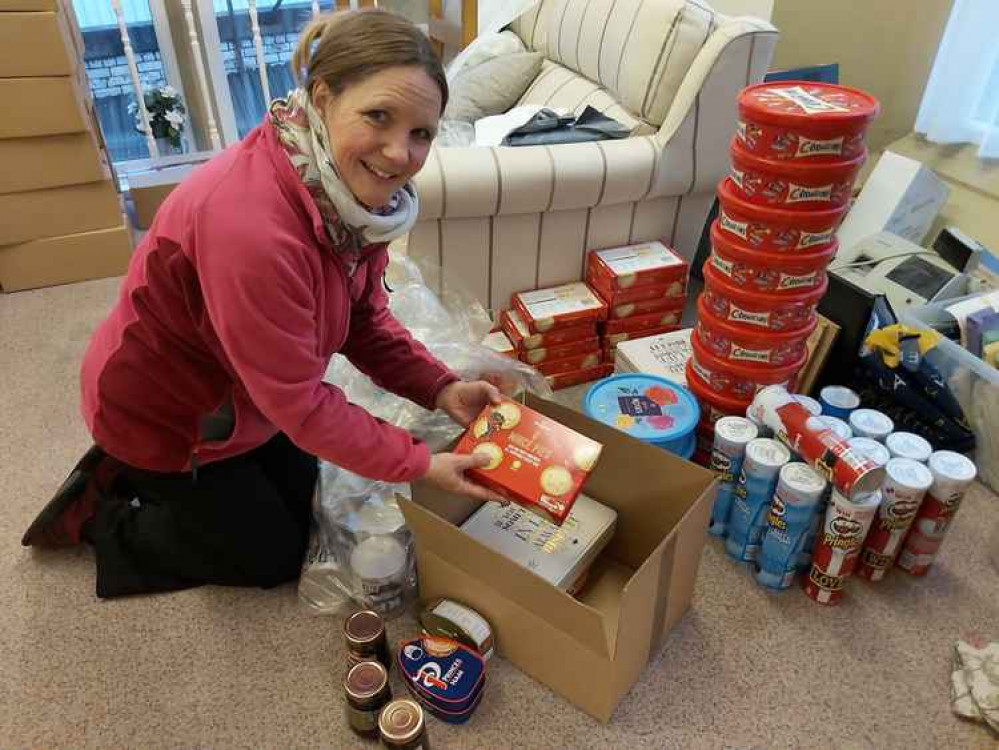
(500, 220)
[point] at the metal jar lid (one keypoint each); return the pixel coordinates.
(364, 628)
(365, 680)
(401, 721)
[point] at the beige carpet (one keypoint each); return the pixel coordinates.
(232, 668)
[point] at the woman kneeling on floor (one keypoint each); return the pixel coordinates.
(203, 389)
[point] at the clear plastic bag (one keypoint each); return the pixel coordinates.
(360, 550)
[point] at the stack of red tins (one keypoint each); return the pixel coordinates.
(795, 157)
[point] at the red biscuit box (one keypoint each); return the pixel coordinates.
(661, 319)
(634, 309)
(523, 340)
(533, 460)
(561, 351)
(572, 304)
(569, 379)
(643, 264)
(568, 364)
(675, 291)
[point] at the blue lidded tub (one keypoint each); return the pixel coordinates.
(649, 408)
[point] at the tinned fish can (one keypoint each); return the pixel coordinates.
(906, 483)
(850, 471)
(751, 498)
(789, 519)
(732, 435)
(846, 525)
(952, 475)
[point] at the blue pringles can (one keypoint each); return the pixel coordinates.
(732, 435)
(838, 401)
(789, 520)
(752, 495)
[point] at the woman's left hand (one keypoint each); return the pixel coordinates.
(463, 401)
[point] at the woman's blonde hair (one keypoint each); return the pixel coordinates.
(343, 48)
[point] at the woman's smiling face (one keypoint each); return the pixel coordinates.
(380, 129)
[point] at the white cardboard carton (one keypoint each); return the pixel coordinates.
(665, 355)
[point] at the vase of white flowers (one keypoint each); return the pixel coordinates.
(167, 116)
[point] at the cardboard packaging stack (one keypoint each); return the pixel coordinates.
(645, 288)
(796, 154)
(556, 331)
(61, 217)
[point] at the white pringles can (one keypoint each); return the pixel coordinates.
(846, 525)
(813, 406)
(906, 483)
(752, 496)
(788, 523)
(871, 423)
(952, 476)
(909, 445)
(872, 449)
(732, 435)
(837, 425)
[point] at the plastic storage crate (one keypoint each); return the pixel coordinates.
(973, 382)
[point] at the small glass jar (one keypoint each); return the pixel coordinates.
(402, 726)
(367, 691)
(364, 633)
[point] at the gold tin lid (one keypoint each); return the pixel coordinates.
(364, 627)
(365, 680)
(401, 721)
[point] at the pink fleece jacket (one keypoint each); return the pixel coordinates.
(236, 298)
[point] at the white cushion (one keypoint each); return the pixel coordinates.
(492, 87)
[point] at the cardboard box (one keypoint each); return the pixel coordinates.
(820, 344)
(591, 649)
(561, 351)
(51, 161)
(38, 43)
(675, 291)
(533, 460)
(6, 6)
(150, 189)
(634, 309)
(63, 260)
(570, 364)
(645, 322)
(901, 196)
(642, 264)
(499, 343)
(665, 355)
(57, 211)
(44, 106)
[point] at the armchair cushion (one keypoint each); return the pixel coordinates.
(639, 51)
(492, 87)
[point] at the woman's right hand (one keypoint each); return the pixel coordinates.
(447, 471)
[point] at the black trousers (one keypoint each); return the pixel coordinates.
(243, 521)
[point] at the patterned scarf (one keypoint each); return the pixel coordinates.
(351, 225)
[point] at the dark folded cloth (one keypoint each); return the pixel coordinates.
(547, 128)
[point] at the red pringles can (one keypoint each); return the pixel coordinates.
(952, 475)
(850, 471)
(906, 483)
(837, 550)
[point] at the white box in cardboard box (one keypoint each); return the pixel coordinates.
(665, 355)
(901, 196)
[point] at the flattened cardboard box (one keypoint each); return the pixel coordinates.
(63, 260)
(51, 161)
(45, 106)
(37, 44)
(591, 649)
(57, 211)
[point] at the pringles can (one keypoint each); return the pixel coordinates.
(874, 450)
(871, 423)
(846, 525)
(909, 445)
(952, 475)
(789, 520)
(752, 496)
(850, 471)
(906, 483)
(838, 401)
(837, 425)
(732, 435)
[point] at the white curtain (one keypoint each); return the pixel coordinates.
(961, 103)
